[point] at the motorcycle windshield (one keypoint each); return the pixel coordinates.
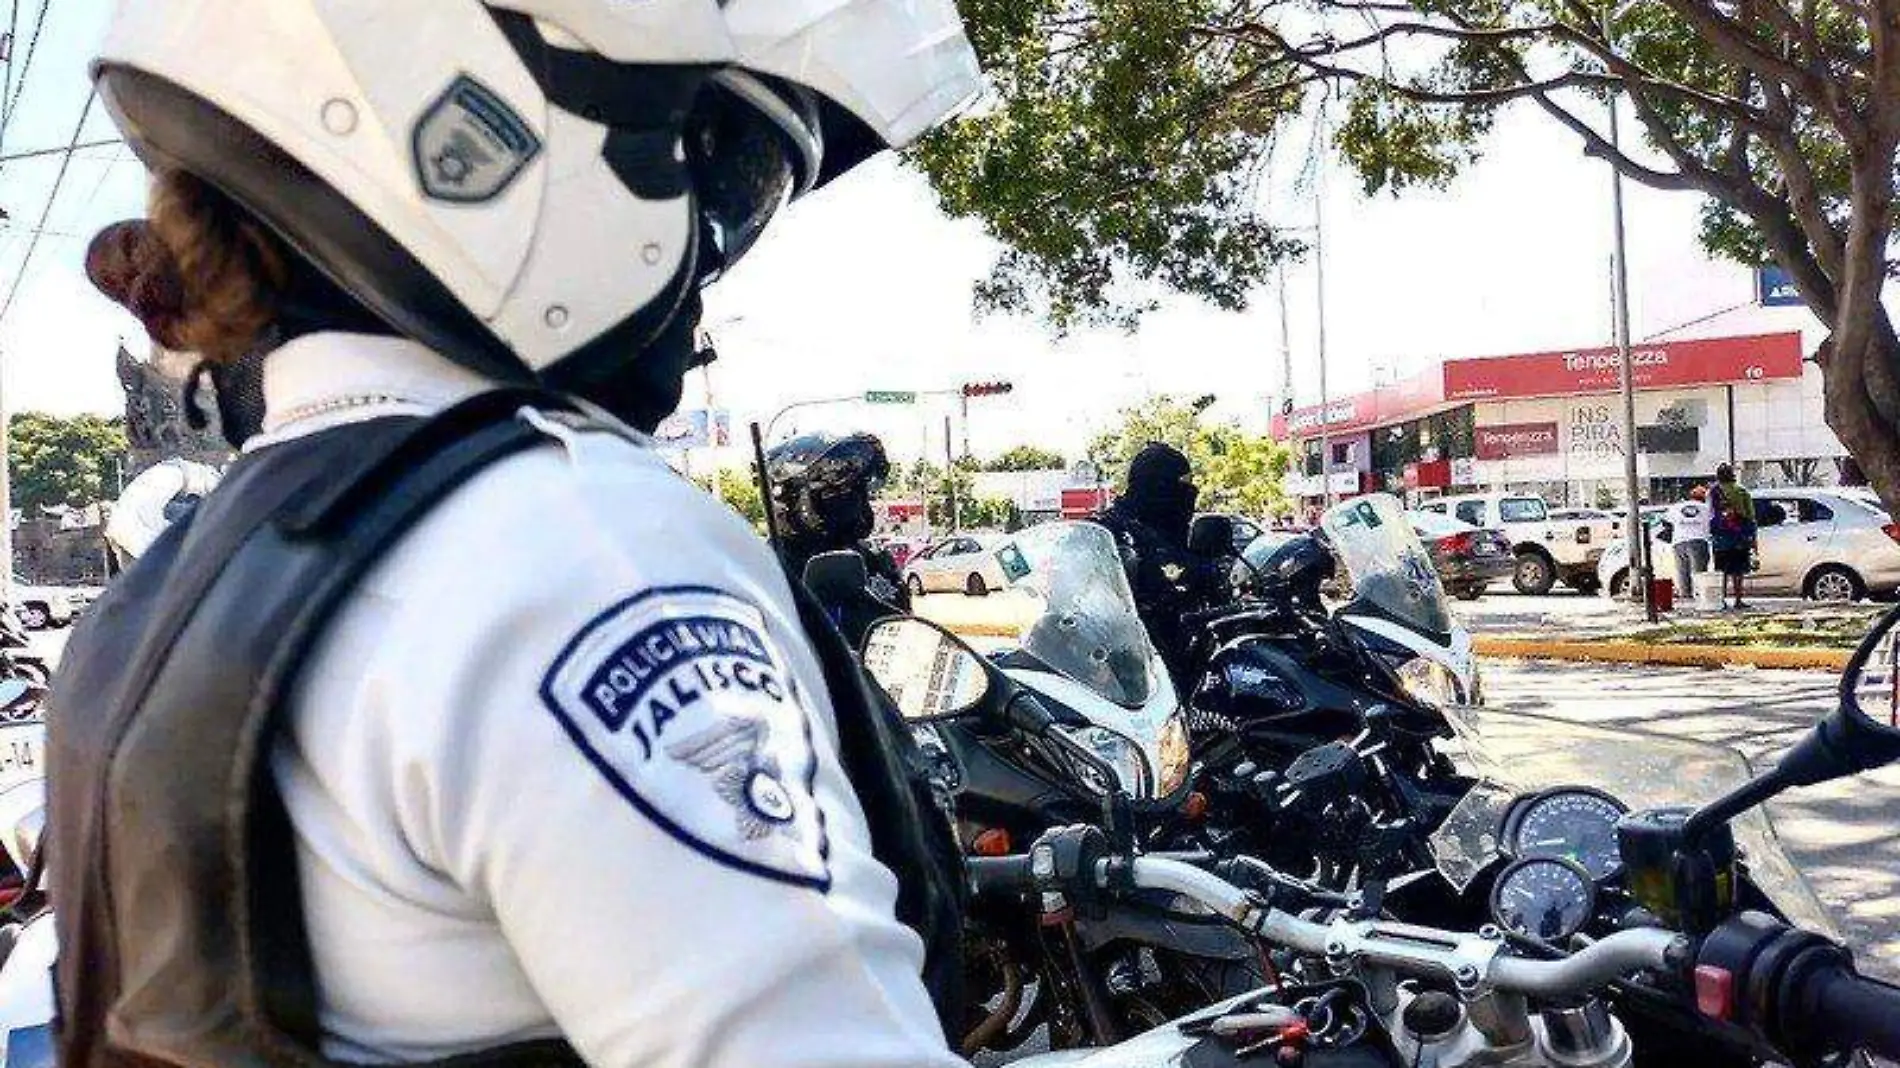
(1392, 574)
(1512, 754)
(1085, 626)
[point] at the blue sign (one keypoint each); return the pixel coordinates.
(1774, 288)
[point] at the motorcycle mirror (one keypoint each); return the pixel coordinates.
(1861, 734)
(927, 671)
(836, 577)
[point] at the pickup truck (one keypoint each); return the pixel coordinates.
(1549, 549)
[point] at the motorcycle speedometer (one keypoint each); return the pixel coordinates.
(1573, 822)
(1548, 898)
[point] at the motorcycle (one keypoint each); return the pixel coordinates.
(27, 941)
(1619, 925)
(1103, 741)
(1316, 730)
(17, 661)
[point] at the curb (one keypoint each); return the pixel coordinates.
(1615, 652)
(1605, 652)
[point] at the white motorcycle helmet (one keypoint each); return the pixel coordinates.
(533, 188)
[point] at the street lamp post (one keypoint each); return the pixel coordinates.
(1626, 378)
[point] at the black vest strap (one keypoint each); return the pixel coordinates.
(182, 928)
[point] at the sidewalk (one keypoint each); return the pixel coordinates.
(1774, 633)
(1777, 633)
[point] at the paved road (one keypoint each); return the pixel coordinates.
(1843, 835)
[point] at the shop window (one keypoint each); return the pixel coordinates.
(1342, 452)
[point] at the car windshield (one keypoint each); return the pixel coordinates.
(1433, 525)
(1085, 626)
(1392, 574)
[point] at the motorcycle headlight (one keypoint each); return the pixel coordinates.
(1430, 682)
(1172, 756)
(1118, 752)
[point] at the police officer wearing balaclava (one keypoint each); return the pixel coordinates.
(1151, 521)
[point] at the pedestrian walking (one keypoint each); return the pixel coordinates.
(1731, 531)
(1689, 523)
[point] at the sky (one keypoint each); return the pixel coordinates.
(866, 286)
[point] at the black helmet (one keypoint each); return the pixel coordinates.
(822, 487)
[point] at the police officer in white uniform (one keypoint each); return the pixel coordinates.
(153, 501)
(563, 765)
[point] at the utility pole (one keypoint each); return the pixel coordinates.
(949, 477)
(1626, 377)
(1319, 279)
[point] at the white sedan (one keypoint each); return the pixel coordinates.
(965, 562)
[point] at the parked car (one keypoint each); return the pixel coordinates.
(902, 549)
(1826, 545)
(963, 562)
(1468, 559)
(39, 607)
(1546, 549)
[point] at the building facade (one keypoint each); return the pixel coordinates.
(1552, 423)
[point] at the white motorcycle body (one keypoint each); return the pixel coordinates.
(1456, 655)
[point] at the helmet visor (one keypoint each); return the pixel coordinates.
(745, 168)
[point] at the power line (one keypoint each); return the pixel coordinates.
(26, 69)
(62, 150)
(46, 213)
(12, 40)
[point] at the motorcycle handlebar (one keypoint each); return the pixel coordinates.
(1469, 959)
(1856, 1011)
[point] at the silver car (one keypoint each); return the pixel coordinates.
(965, 562)
(1827, 545)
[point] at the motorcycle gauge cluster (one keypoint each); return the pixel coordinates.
(1549, 898)
(1571, 823)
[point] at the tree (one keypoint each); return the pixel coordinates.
(1237, 472)
(56, 460)
(740, 490)
(1123, 139)
(1026, 458)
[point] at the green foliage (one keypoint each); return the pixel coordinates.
(921, 478)
(1116, 153)
(57, 460)
(1025, 458)
(1237, 472)
(740, 490)
(1123, 142)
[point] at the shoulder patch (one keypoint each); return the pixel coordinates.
(681, 700)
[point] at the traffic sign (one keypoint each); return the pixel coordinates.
(889, 396)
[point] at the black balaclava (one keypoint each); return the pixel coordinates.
(644, 389)
(1161, 490)
(309, 304)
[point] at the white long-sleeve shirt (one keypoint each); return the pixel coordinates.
(564, 765)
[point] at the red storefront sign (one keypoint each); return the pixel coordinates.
(1713, 361)
(1429, 474)
(1085, 502)
(1516, 439)
(1677, 363)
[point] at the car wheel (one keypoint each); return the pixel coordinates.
(1836, 583)
(975, 586)
(1535, 573)
(916, 584)
(1619, 584)
(35, 616)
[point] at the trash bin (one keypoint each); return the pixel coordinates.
(1662, 594)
